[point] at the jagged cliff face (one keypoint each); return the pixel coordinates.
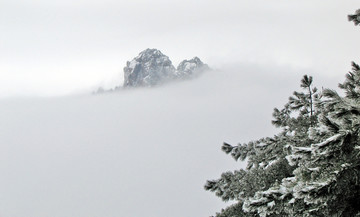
(151, 67)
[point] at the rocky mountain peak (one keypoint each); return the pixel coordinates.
(149, 53)
(192, 67)
(151, 67)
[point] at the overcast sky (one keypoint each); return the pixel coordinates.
(148, 152)
(60, 47)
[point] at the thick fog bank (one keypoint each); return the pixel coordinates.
(142, 152)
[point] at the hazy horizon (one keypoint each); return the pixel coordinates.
(149, 151)
(54, 48)
(139, 152)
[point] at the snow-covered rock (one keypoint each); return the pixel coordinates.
(149, 68)
(193, 67)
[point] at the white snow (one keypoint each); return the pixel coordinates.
(327, 141)
(303, 149)
(271, 204)
(315, 169)
(271, 163)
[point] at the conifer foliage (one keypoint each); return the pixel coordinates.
(310, 168)
(355, 17)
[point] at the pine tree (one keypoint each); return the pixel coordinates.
(266, 162)
(311, 168)
(355, 17)
(326, 179)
